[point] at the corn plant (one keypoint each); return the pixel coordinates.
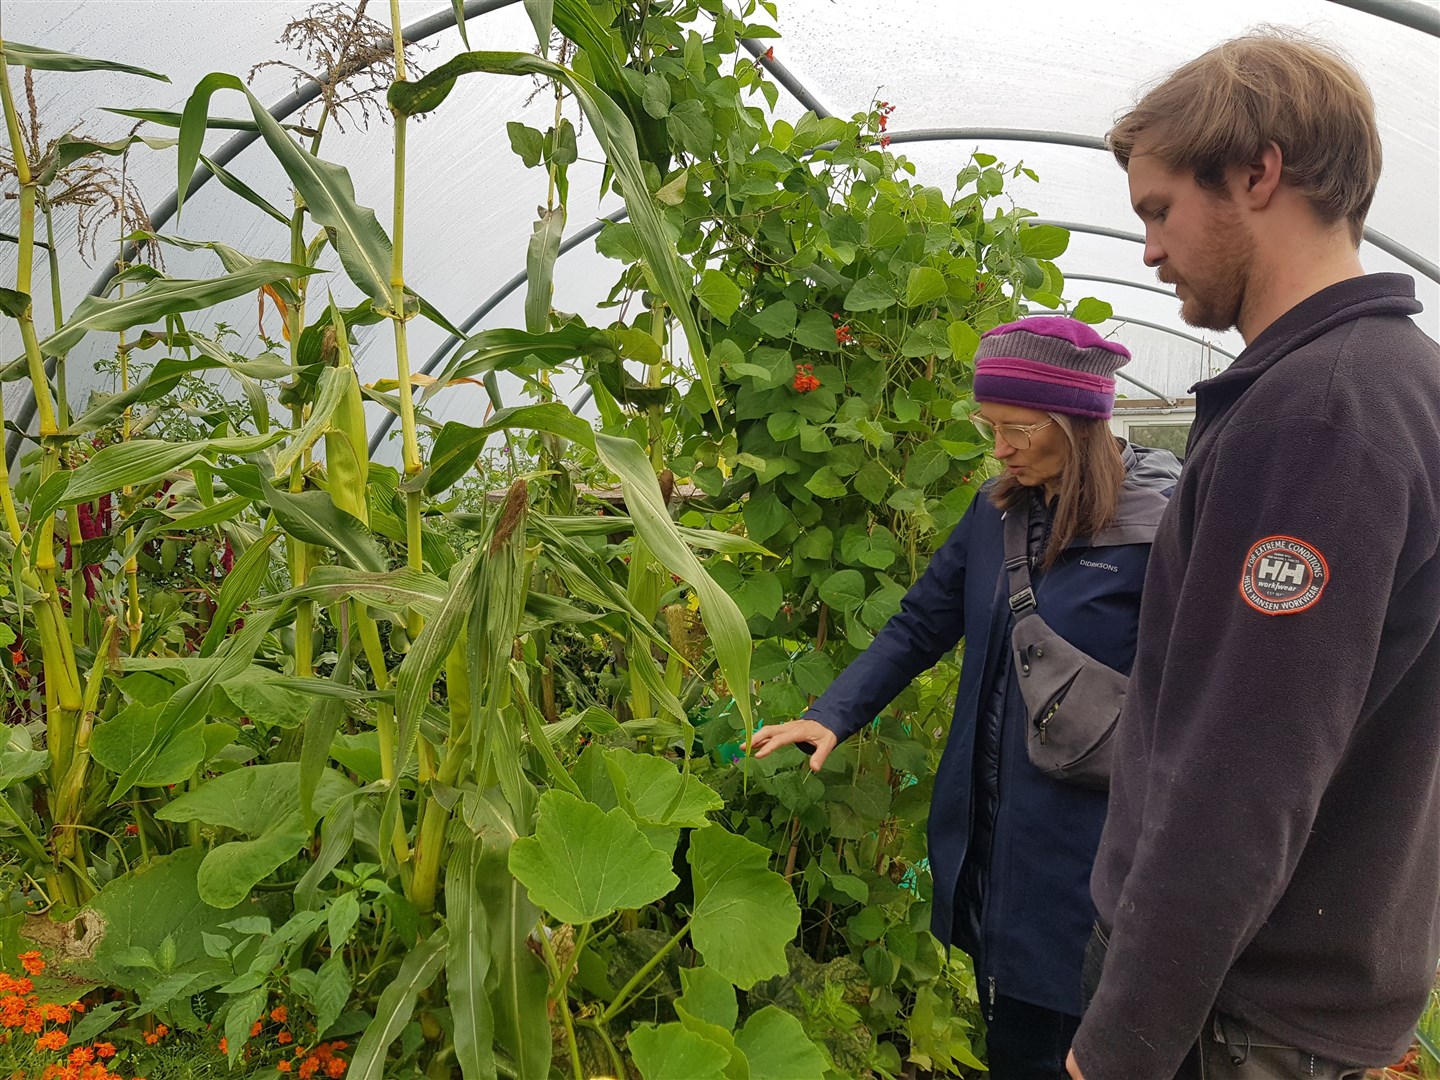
(219, 743)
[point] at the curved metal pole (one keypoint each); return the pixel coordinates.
(1036, 135)
(291, 103)
(1383, 241)
(1409, 13)
(435, 359)
(1166, 398)
(798, 90)
(1412, 259)
(1174, 333)
(1167, 293)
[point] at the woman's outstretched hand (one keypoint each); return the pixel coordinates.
(810, 735)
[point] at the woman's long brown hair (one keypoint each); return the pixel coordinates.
(1089, 487)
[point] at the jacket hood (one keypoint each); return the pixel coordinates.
(1150, 477)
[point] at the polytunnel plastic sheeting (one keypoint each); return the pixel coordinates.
(1054, 66)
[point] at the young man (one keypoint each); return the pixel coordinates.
(1269, 875)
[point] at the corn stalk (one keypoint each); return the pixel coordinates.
(411, 445)
(64, 697)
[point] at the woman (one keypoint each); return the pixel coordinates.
(1011, 848)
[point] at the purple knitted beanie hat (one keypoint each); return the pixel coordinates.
(1051, 363)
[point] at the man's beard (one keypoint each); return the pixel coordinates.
(1221, 276)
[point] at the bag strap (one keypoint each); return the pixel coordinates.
(1017, 562)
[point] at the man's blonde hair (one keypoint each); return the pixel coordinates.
(1226, 107)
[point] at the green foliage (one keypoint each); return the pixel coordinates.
(455, 779)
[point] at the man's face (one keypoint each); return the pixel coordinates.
(1196, 239)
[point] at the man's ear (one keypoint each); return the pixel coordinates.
(1259, 180)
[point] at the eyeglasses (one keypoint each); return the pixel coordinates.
(1017, 435)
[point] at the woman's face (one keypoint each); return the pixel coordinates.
(1040, 463)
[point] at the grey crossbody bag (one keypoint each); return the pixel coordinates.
(1072, 701)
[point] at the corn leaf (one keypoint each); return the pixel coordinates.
(503, 349)
(313, 517)
(241, 584)
(164, 377)
(397, 1004)
(416, 675)
(38, 59)
(70, 149)
(518, 980)
(321, 722)
(458, 445)
(144, 461)
(729, 634)
(244, 190)
(467, 963)
(13, 303)
(169, 118)
(329, 394)
(458, 6)
(329, 194)
(540, 257)
(162, 298)
(394, 591)
(617, 136)
(542, 17)
(206, 516)
(187, 705)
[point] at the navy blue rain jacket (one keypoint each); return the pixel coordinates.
(1025, 912)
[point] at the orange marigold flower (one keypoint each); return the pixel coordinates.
(77, 1007)
(255, 1029)
(308, 1067)
(32, 962)
(34, 1021)
(335, 1067)
(224, 1045)
(279, 1014)
(284, 1037)
(56, 1014)
(161, 1030)
(283, 1066)
(339, 1044)
(105, 1049)
(82, 1055)
(51, 1040)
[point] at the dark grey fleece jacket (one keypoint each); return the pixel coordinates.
(1272, 847)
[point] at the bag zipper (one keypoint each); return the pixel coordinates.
(1044, 723)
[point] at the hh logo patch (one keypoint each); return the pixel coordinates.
(1283, 576)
